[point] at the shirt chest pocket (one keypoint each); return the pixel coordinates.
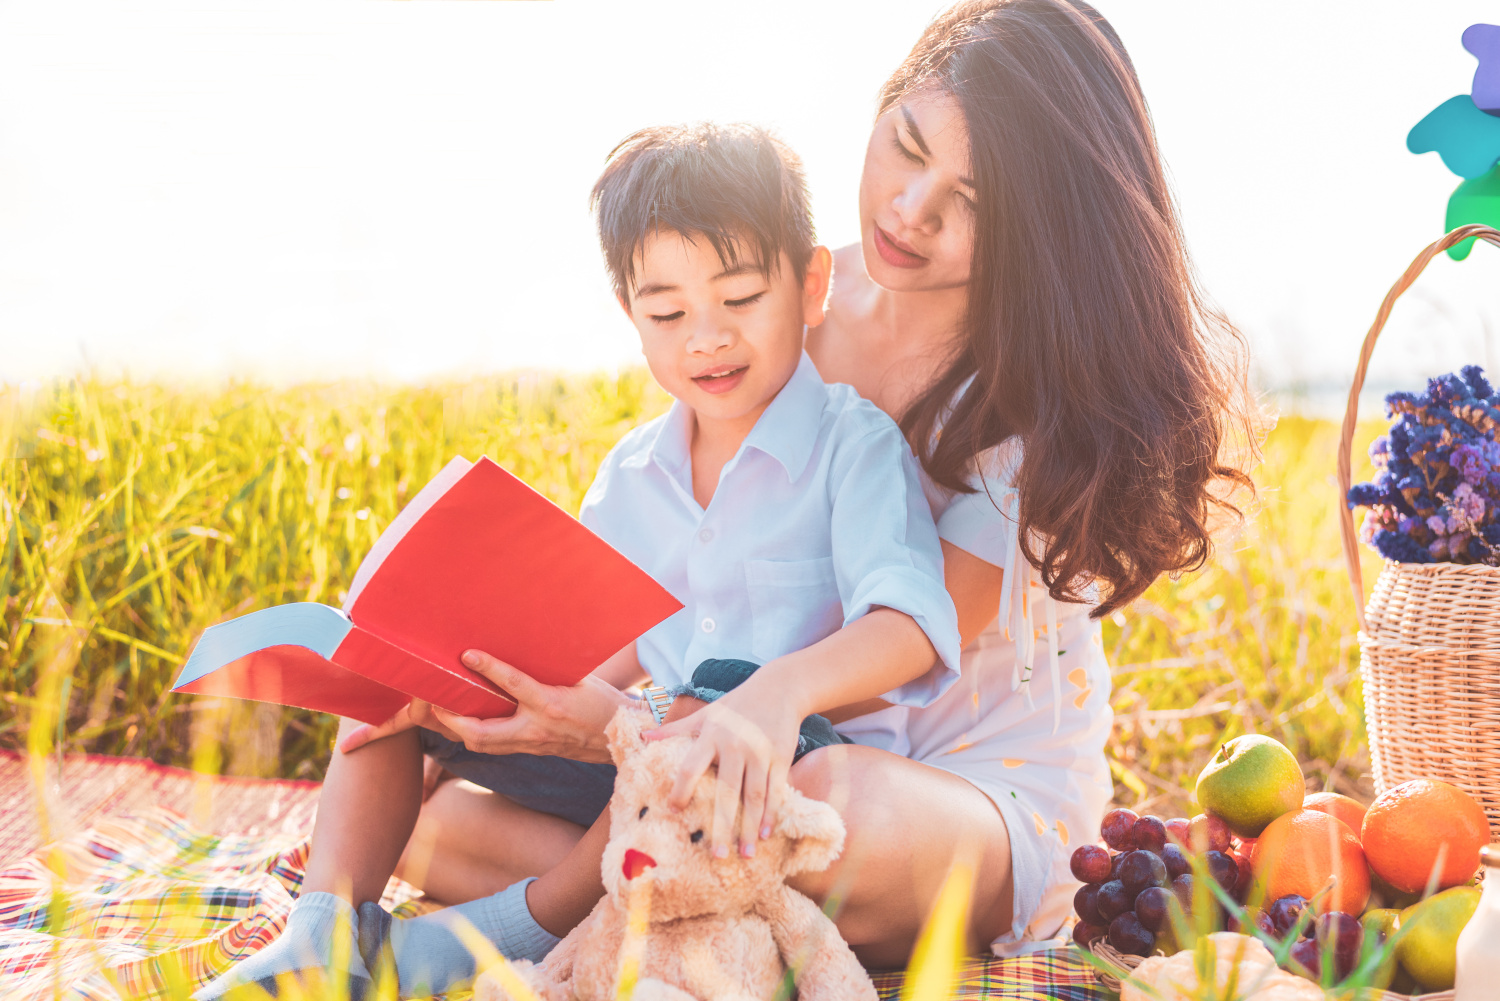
(793, 604)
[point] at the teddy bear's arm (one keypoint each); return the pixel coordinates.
(825, 968)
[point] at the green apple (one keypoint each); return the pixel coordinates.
(1250, 782)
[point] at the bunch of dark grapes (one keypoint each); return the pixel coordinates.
(1130, 884)
(1436, 493)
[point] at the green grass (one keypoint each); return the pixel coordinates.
(135, 514)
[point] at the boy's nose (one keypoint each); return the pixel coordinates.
(636, 863)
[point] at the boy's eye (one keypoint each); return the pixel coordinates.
(745, 301)
(695, 837)
(668, 318)
(642, 814)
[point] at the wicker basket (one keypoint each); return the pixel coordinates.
(1430, 635)
(1125, 963)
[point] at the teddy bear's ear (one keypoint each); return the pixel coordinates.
(624, 733)
(815, 830)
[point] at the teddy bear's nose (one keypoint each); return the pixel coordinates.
(636, 863)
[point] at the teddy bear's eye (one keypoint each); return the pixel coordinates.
(696, 837)
(642, 813)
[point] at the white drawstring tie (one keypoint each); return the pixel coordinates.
(1017, 615)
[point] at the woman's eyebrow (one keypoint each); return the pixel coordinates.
(916, 137)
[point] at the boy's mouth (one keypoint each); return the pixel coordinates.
(894, 253)
(721, 379)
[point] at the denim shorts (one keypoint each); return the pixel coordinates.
(579, 791)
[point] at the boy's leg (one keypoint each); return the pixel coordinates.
(366, 812)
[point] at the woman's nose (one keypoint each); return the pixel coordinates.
(917, 204)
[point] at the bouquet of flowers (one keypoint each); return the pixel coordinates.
(1436, 493)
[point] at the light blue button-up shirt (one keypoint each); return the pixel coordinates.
(817, 519)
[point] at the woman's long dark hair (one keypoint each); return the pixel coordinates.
(1085, 330)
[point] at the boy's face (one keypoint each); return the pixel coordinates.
(723, 341)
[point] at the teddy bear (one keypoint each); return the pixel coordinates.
(686, 926)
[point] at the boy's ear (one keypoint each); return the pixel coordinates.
(625, 305)
(815, 286)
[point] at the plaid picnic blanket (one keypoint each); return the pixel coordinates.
(148, 905)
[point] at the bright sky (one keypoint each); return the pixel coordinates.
(301, 189)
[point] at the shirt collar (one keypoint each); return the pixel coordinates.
(787, 430)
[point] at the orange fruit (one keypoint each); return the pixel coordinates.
(1342, 807)
(1407, 827)
(1299, 852)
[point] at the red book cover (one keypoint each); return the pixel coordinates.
(477, 560)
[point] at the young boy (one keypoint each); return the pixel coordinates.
(786, 515)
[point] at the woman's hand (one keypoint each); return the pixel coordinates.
(567, 721)
(753, 739)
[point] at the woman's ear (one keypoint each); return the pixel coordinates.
(815, 286)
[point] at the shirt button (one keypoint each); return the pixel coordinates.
(708, 625)
(706, 535)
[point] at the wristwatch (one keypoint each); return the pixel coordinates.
(658, 700)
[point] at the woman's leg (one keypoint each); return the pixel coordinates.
(905, 820)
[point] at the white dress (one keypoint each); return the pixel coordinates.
(1028, 720)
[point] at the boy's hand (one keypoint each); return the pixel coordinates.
(414, 713)
(753, 740)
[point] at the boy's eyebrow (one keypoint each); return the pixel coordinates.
(656, 287)
(916, 135)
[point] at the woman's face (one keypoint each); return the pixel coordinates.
(916, 198)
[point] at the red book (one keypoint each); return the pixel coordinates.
(478, 560)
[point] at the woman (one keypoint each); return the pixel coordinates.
(1022, 303)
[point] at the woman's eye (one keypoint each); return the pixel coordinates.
(642, 814)
(668, 318)
(901, 148)
(968, 202)
(696, 837)
(745, 301)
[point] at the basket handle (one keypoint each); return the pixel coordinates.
(1351, 411)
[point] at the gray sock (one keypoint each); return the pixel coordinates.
(306, 943)
(430, 958)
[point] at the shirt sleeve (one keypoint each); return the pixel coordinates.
(886, 553)
(979, 522)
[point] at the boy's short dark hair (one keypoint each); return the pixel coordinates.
(738, 186)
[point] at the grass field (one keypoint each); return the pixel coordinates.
(133, 515)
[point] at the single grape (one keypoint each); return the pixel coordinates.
(1246, 876)
(1305, 955)
(1149, 834)
(1142, 869)
(1176, 861)
(1344, 934)
(1114, 864)
(1264, 923)
(1225, 870)
(1151, 907)
(1207, 833)
(1091, 864)
(1086, 904)
(1177, 831)
(1084, 933)
(1285, 911)
(1127, 934)
(1116, 829)
(1182, 886)
(1113, 900)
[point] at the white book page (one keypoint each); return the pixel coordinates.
(397, 529)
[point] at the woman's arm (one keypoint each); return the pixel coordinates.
(974, 586)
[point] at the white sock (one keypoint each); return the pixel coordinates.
(430, 957)
(305, 943)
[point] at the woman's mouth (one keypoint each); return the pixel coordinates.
(894, 253)
(721, 380)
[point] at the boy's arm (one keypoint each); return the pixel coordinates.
(974, 586)
(623, 669)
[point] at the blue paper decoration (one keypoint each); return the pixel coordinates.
(1483, 42)
(1466, 138)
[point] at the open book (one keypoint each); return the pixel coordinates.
(477, 560)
